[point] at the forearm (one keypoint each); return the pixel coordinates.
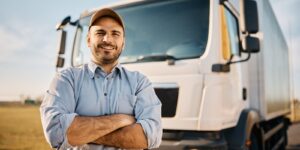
(129, 137)
(87, 129)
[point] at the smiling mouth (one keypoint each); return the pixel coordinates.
(107, 47)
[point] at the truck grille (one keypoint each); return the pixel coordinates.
(168, 98)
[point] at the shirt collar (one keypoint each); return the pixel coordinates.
(93, 67)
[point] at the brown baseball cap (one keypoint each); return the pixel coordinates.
(106, 12)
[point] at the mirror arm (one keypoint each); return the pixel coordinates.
(75, 23)
(64, 22)
(239, 61)
(229, 6)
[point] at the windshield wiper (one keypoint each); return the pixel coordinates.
(159, 57)
(148, 58)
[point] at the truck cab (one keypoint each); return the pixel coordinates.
(209, 63)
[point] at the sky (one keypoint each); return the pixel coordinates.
(28, 41)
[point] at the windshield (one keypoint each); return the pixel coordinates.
(166, 29)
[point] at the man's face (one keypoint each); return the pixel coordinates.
(106, 41)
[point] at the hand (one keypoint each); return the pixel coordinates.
(128, 137)
(87, 129)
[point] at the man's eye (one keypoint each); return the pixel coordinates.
(100, 33)
(116, 34)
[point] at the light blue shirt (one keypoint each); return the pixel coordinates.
(89, 91)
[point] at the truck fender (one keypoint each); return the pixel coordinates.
(237, 136)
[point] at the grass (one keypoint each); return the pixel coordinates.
(20, 128)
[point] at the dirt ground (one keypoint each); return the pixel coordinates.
(294, 137)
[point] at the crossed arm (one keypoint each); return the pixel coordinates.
(118, 130)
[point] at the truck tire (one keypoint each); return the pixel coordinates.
(254, 142)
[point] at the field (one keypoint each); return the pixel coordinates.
(20, 128)
(295, 113)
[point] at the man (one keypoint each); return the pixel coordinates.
(102, 105)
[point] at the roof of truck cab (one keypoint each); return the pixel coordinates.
(111, 5)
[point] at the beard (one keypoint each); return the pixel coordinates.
(103, 57)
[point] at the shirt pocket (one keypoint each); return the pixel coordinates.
(126, 103)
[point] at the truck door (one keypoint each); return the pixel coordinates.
(230, 49)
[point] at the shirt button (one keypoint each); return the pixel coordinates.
(105, 94)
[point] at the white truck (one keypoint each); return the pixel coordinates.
(197, 55)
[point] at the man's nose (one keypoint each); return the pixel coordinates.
(107, 38)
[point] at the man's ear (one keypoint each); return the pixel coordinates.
(88, 39)
(123, 46)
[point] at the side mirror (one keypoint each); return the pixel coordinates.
(249, 16)
(251, 44)
(61, 48)
(60, 62)
(62, 41)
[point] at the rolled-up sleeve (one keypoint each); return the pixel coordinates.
(57, 110)
(148, 112)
